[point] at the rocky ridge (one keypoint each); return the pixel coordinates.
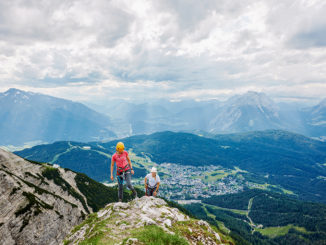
(145, 220)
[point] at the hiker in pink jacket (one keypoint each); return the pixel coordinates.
(124, 169)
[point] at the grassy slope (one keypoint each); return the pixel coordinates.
(273, 232)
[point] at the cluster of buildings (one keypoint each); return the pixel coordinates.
(183, 182)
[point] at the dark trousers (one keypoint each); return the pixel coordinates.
(150, 191)
(127, 176)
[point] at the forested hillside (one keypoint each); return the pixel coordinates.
(261, 217)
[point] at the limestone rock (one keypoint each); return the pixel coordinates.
(33, 209)
(128, 219)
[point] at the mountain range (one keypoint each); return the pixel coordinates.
(32, 117)
(250, 111)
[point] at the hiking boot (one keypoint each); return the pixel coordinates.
(135, 194)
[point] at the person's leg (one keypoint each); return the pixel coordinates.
(120, 185)
(128, 182)
(151, 191)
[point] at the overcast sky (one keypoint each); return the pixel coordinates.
(100, 49)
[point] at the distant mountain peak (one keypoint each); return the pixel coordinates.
(251, 92)
(255, 99)
(323, 103)
(252, 97)
(28, 117)
(17, 93)
(13, 90)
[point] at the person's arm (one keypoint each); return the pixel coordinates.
(158, 185)
(146, 182)
(128, 159)
(112, 165)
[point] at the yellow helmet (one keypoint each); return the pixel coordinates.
(120, 147)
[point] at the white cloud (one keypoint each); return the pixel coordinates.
(91, 50)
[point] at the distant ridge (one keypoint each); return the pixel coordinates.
(250, 111)
(27, 116)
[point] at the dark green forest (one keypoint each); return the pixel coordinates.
(268, 209)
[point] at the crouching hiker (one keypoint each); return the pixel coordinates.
(153, 183)
(124, 169)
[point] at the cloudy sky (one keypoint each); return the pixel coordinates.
(95, 50)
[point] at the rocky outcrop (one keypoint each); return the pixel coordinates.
(142, 221)
(39, 204)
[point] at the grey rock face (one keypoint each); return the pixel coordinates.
(34, 209)
(119, 222)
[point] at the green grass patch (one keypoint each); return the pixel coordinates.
(220, 224)
(274, 188)
(91, 218)
(139, 161)
(215, 176)
(182, 228)
(222, 227)
(273, 232)
(288, 192)
(237, 211)
(124, 222)
(154, 235)
(96, 235)
(237, 169)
